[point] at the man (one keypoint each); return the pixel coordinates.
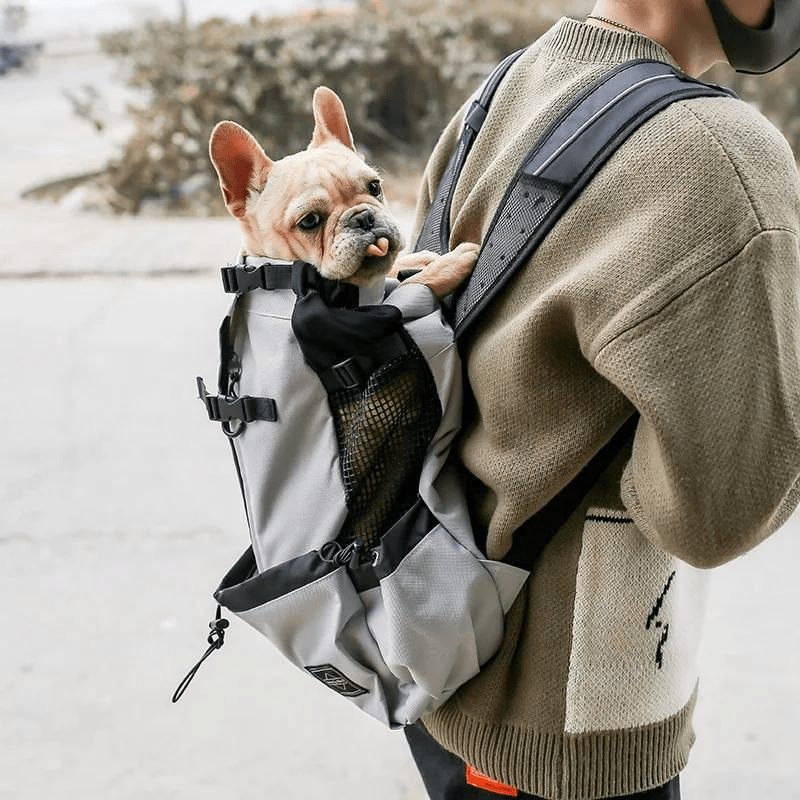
(671, 288)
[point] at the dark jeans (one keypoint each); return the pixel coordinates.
(444, 774)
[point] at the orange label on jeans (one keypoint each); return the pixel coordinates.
(481, 781)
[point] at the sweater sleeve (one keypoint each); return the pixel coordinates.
(715, 375)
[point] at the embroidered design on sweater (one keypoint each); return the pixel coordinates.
(614, 520)
(654, 621)
(637, 617)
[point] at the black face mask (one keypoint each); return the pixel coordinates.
(758, 50)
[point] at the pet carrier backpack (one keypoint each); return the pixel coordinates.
(341, 404)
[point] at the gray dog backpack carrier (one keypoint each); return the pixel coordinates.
(341, 405)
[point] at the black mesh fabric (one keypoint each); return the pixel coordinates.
(530, 201)
(383, 431)
(435, 233)
(385, 423)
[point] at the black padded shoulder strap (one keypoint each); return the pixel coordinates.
(563, 161)
(435, 234)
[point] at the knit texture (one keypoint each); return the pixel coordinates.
(669, 287)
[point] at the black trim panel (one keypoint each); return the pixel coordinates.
(403, 537)
(244, 588)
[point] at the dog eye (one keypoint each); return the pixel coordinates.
(310, 221)
(375, 188)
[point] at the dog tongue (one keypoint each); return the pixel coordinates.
(380, 248)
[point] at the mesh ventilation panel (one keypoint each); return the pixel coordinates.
(383, 431)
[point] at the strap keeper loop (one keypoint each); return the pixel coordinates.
(355, 372)
(475, 117)
(349, 373)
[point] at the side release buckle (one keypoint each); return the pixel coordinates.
(245, 409)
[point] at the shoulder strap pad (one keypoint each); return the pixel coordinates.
(435, 234)
(563, 161)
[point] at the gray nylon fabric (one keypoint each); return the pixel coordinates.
(402, 648)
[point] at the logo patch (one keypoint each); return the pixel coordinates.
(481, 781)
(336, 680)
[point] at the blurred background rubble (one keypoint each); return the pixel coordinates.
(402, 69)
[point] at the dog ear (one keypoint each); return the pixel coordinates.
(330, 119)
(240, 163)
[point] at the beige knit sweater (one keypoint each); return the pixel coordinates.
(671, 286)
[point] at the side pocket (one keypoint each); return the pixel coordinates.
(443, 615)
(312, 614)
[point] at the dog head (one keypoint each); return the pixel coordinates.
(323, 205)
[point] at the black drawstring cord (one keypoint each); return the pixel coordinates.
(215, 640)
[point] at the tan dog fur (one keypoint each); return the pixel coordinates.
(324, 205)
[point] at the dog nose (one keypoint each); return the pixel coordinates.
(364, 220)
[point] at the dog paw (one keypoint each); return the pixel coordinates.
(412, 262)
(442, 274)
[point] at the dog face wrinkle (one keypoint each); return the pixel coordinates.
(334, 183)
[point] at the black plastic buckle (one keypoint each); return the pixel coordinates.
(476, 116)
(246, 409)
(229, 279)
(355, 372)
(239, 278)
(349, 373)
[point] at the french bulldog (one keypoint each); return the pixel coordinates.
(323, 205)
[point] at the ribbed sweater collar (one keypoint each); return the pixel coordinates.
(573, 40)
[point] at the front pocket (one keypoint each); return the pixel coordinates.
(399, 647)
(444, 613)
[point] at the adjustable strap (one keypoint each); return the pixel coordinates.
(435, 234)
(354, 372)
(244, 409)
(257, 273)
(531, 537)
(227, 407)
(562, 162)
